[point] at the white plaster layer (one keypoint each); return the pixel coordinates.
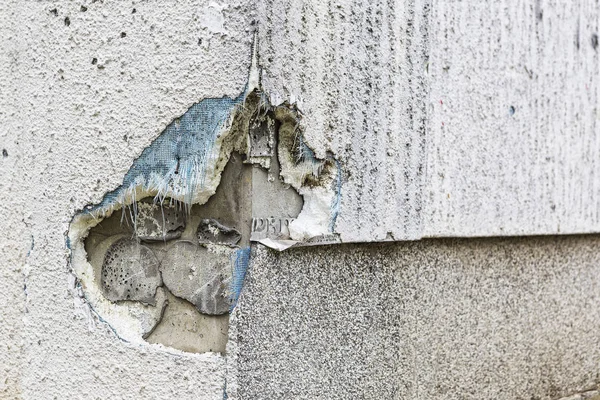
(314, 220)
(357, 72)
(514, 122)
(79, 103)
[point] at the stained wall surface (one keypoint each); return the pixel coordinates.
(449, 119)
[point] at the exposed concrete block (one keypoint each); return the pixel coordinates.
(140, 241)
(128, 270)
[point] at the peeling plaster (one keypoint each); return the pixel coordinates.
(179, 172)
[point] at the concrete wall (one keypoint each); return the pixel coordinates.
(449, 119)
(438, 319)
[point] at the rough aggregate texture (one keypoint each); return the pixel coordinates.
(587, 395)
(438, 319)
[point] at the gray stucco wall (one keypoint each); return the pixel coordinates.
(438, 319)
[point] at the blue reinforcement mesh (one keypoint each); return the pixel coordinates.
(241, 259)
(178, 157)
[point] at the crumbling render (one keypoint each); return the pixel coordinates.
(172, 243)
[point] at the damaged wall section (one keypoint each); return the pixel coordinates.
(169, 267)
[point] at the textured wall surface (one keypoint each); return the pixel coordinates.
(83, 92)
(439, 319)
(357, 71)
(452, 118)
(449, 119)
(514, 122)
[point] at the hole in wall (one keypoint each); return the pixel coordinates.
(163, 257)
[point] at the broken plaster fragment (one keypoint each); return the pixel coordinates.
(261, 137)
(155, 222)
(211, 231)
(130, 272)
(199, 275)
